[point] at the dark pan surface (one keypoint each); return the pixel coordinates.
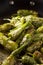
(8, 8)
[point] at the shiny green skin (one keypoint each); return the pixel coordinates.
(28, 60)
(29, 29)
(20, 37)
(8, 60)
(6, 27)
(14, 20)
(41, 50)
(7, 43)
(20, 22)
(26, 31)
(37, 42)
(38, 37)
(14, 34)
(36, 21)
(40, 29)
(26, 12)
(26, 39)
(38, 57)
(35, 46)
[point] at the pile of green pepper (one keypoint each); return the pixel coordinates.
(23, 37)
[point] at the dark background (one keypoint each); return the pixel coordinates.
(7, 9)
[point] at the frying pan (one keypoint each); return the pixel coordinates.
(7, 7)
